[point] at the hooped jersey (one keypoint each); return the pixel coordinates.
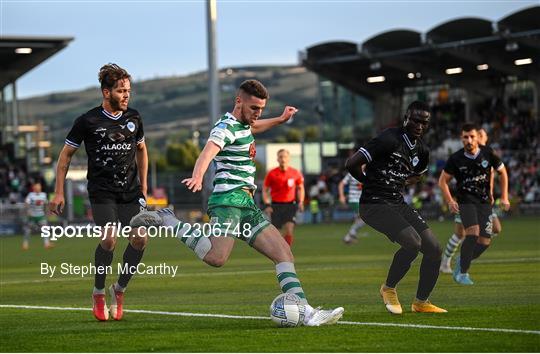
(36, 204)
(354, 191)
(235, 166)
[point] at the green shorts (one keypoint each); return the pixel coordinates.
(354, 207)
(37, 220)
(243, 220)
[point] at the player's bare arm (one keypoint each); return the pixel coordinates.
(341, 191)
(263, 125)
(141, 155)
(210, 151)
(354, 165)
(444, 179)
(301, 196)
(413, 180)
(62, 167)
(266, 200)
(492, 185)
(503, 183)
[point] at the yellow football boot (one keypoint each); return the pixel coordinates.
(426, 307)
(390, 299)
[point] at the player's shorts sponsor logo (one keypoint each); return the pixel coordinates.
(120, 146)
(131, 126)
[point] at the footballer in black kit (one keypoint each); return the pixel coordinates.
(471, 166)
(113, 136)
(395, 158)
(111, 145)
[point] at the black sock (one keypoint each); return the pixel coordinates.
(400, 265)
(429, 273)
(467, 249)
(132, 258)
(102, 258)
(478, 250)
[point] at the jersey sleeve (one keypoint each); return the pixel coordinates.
(495, 160)
(76, 135)
(378, 147)
(299, 179)
(450, 166)
(27, 200)
(346, 179)
(222, 134)
(140, 132)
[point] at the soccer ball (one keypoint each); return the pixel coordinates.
(287, 310)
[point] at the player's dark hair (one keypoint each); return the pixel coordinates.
(467, 127)
(254, 88)
(109, 75)
(415, 108)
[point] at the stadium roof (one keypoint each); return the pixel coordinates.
(19, 54)
(463, 51)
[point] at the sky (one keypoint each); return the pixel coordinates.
(168, 37)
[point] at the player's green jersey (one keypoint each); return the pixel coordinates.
(36, 203)
(235, 167)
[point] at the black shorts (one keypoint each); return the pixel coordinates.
(283, 213)
(391, 219)
(477, 214)
(113, 206)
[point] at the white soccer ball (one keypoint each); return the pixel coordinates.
(287, 310)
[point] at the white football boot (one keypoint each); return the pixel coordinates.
(318, 317)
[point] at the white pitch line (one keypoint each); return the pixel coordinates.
(505, 330)
(245, 272)
(190, 314)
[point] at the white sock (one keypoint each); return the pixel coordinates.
(196, 242)
(355, 226)
(118, 287)
(98, 291)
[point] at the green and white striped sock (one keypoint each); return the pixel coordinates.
(288, 280)
(451, 246)
(195, 241)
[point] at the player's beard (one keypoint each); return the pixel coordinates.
(115, 104)
(246, 118)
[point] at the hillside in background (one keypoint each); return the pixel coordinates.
(173, 105)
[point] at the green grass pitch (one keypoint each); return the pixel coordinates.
(506, 295)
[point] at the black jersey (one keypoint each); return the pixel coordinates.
(473, 173)
(110, 143)
(392, 158)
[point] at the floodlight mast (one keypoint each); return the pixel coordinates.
(213, 84)
(213, 89)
